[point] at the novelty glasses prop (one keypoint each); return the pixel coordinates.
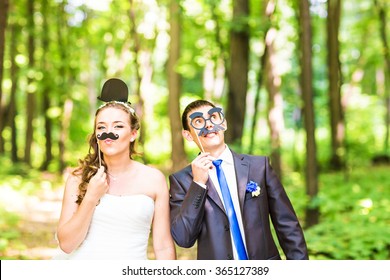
(199, 122)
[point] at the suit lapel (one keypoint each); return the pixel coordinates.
(241, 165)
(213, 194)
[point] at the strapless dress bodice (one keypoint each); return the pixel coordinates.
(119, 229)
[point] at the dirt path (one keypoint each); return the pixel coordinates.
(38, 220)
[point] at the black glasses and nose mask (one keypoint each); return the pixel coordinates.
(106, 135)
(198, 121)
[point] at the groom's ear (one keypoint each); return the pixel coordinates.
(187, 135)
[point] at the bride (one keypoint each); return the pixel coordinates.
(111, 202)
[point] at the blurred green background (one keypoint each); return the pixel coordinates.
(247, 56)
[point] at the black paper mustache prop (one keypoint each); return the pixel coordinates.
(106, 135)
(204, 131)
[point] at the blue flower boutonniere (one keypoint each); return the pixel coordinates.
(253, 188)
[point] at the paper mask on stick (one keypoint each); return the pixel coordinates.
(198, 122)
(113, 90)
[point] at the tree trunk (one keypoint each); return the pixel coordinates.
(31, 91)
(337, 124)
(3, 26)
(62, 86)
(269, 11)
(386, 55)
(312, 213)
(46, 88)
(14, 79)
(275, 105)
(238, 72)
(64, 130)
(214, 76)
(178, 157)
(140, 104)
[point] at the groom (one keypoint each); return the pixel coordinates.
(225, 201)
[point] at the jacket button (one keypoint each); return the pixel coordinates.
(230, 256)
(226, 227)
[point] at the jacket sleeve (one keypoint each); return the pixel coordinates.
(187, 202)
(284, 219)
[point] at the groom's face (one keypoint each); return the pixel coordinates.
(207, 125)
(201, 122)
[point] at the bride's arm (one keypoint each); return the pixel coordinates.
(163, 245)
(75, 219)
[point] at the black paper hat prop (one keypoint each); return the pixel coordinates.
(113, 90)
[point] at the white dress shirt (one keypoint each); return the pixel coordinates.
(230, 174)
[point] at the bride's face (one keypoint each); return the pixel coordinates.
(116, 121)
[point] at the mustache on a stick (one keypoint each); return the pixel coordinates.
(106, 135)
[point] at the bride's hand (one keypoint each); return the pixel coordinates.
(98, 185)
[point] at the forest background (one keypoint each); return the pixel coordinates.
(304, 82)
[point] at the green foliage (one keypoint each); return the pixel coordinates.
(355, 213)
(18, 181)
(24, 179)
(361, 240)
(8, 231)
(88, 44)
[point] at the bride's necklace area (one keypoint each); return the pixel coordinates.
(120, 183)
(116, 177)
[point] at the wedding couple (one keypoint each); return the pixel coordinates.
(223, 201)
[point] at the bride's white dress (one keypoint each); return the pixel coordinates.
(119, 229)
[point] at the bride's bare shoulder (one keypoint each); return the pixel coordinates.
(73, 177)
(151, 172)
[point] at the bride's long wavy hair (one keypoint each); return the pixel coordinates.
(90, 164)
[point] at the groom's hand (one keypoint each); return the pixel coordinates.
(200, 167)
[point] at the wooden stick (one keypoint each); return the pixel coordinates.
(100, 160)
(201, 147)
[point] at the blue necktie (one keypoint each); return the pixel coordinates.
(227, 199)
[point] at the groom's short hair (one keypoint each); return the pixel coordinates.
(193, 105)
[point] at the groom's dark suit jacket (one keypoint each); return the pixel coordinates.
(197, 214)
